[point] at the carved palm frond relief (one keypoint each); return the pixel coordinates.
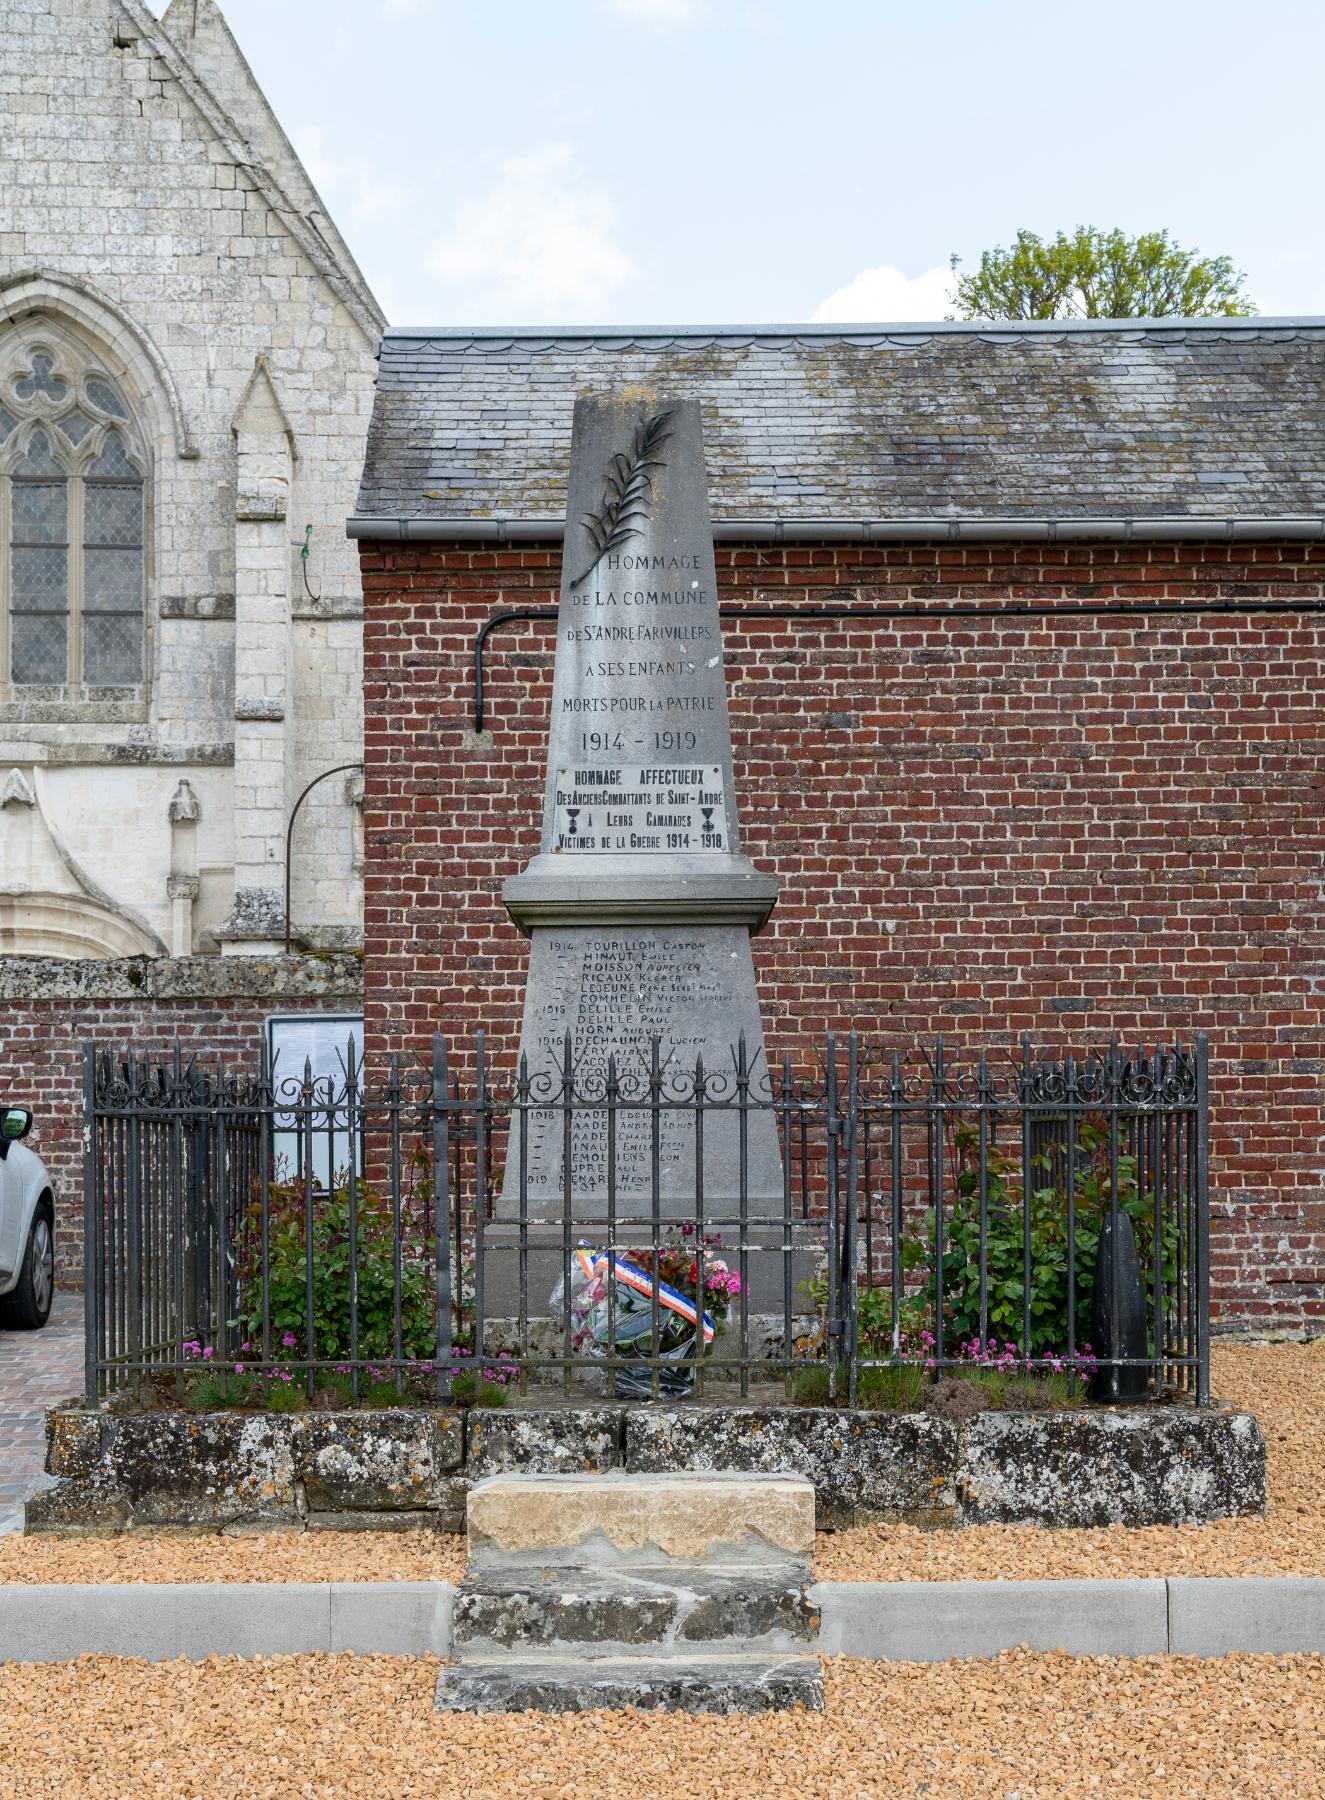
(626, 491)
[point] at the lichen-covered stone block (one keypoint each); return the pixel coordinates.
(82, 1506)
(1153, 1466)
(379, 1461)
(864, 1465)
(586, 1440)
(560, 1611)
(202, 1468)
(208, 1469)
(447, 1515)
(722, 1685)
(73, 1441)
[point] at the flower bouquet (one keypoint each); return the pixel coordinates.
(612, 1313)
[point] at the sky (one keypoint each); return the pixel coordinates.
(566, 162)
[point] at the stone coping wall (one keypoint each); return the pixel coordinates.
(1066, 826)
(213, 1006)
(1159, 1465)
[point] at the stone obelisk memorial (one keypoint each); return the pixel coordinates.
(639, 904)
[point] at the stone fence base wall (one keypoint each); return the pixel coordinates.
(213, 1006)
(1161, 1465)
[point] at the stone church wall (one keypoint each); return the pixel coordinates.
(183, 247)
(1065, 827)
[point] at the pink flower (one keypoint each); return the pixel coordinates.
(207, 1354)
(239, 1368)
(288, 1341)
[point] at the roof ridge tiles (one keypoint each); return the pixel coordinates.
(871, 332)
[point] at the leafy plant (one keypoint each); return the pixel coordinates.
(332, 1297)
(1006, 1215)
(468, 1390)
(874, 1305)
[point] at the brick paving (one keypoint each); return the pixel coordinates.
(37, 1369)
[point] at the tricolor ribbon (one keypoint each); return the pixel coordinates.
(594, 1264)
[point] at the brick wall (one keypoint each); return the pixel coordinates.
(1069, 827)
(212, 1006)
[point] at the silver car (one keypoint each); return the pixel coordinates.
(27, 1226)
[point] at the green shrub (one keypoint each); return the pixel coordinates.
(468, 1390)
(218, 1390)
(284, 1396)
(331, 1238)
(1004, 1252)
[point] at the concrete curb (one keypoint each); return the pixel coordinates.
(901, 1621)
(926, 1621)
(50, 1623)
(1272, 1616)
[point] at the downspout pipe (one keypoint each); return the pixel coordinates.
(340, 769)
(935, 613)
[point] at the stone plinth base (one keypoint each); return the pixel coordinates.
(668, 1592)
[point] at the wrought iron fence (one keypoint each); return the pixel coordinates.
(633, 1227)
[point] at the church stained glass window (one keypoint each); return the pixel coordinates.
(73, 503)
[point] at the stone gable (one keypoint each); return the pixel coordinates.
(155, 214)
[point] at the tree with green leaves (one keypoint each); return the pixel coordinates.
(1090, 274)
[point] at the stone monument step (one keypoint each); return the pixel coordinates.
(718, 1684)
(664, 1611)
(616, 1520)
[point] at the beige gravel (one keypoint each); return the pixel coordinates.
(164, 1556)
(1018, 1727)
(1283, 1384)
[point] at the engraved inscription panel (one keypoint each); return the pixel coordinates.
(639, 682)
(648, 809)
(612, 991)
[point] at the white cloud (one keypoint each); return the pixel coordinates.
(538, 243)
(665, 15)
(877, 295)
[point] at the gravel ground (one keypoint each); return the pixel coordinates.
(1282, 1384)
(1017, 1727)
(273, 1556)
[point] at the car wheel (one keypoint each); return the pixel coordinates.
(29, 1305)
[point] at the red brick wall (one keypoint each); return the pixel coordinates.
(1069, 826)
(41, 1066)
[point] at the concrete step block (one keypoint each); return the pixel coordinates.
(645, 1614)
(616, 1519)
(715, 1684)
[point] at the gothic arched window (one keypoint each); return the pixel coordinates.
(73, 502)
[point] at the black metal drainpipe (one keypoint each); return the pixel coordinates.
(340, 769)
(1016, 609)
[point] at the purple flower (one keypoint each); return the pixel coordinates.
(239, 1368)
(208, 1354)
(288, 1341)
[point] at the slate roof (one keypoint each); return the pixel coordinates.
(902, 426)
